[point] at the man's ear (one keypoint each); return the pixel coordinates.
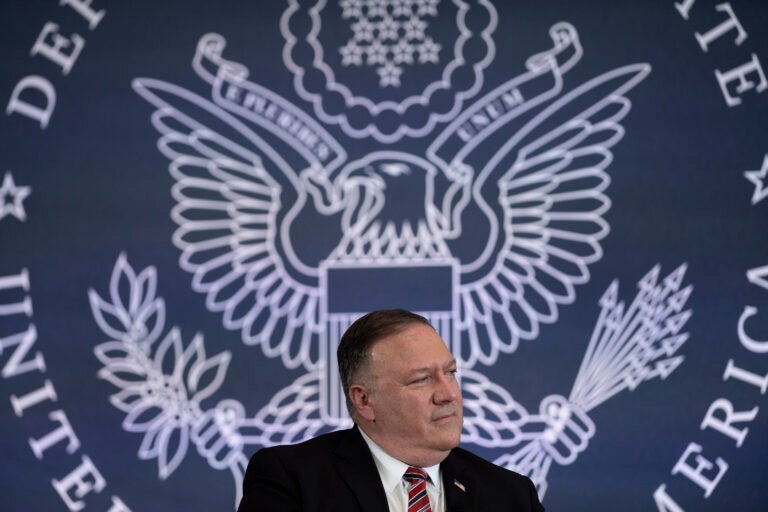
(361, 400)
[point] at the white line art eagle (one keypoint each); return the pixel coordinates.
(510, 195)
(520, 205)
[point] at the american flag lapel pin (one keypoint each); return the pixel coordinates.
(460, 485)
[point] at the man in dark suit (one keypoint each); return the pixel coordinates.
(402, 455)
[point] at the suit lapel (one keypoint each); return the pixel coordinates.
(459, 485)
(355, 464)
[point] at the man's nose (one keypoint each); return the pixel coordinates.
(446, 389)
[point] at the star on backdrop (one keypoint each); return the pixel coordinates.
(11, 198)
(758, 177)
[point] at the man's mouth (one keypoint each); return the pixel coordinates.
(444, 416)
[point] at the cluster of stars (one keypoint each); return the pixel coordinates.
(389, 34)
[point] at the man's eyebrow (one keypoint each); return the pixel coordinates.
(427, 369)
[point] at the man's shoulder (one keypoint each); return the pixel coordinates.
(478, 465)
(322, 445)
(495, 484)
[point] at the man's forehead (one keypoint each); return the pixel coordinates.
(417, 344)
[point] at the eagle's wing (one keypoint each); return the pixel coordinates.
(546, 227)
(232, 191)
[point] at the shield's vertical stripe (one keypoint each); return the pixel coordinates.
(334, 399)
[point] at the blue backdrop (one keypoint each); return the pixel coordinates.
(198, 198)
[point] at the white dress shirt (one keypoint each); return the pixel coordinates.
(391, 472)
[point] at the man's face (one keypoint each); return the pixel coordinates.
(414, 396)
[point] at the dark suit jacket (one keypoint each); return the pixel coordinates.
(336, 472)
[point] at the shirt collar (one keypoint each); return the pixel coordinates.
(391, 470)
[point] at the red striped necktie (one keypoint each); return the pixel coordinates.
(418, 501)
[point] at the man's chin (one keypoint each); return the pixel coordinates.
(449, 434)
